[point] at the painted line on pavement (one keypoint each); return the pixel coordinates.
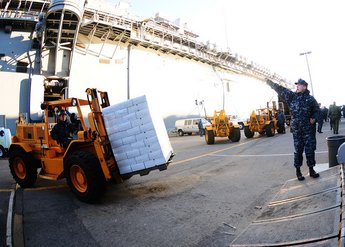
(46, 187)
(38, 188)
(258, 155)
(214, 153)
(10, 219)
(6, 190)
(207, 154)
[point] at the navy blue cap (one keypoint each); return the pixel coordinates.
(62, 112)
(301, 82)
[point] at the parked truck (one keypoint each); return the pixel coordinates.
(5, 141)
(190, 125)
(88, 162)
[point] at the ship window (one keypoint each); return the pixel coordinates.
(28, 133)
(40, 132)
(22, 67)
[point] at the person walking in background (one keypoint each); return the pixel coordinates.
(304, 109)
(201, 127)
(334, 114)
(343, 110)
(281, 122)
(320, 120)
(325, 113)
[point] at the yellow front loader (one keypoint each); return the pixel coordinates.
(221, 126)
(263, 121)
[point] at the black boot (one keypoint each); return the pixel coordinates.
(313, 173)
(299, 174)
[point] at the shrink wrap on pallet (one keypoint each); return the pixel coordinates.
(138, 136)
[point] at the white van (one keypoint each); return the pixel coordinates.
(189, 125)
(5, 141)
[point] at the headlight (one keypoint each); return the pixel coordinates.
(74, 102)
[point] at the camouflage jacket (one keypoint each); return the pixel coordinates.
(303, 106)
(334, 112)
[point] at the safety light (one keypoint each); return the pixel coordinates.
(74, 102)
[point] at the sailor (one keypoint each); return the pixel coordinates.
(304, 109)
(76, 124)
(334, 114)
(62, 130)
(201, 127)
(39, 28)
(281, 121)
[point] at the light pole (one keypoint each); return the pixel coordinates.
(306, 59)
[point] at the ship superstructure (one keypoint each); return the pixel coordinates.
(64, 43)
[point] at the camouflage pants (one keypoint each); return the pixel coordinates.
(335, 125)
(304, 140)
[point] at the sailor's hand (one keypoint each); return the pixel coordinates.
(312, 120)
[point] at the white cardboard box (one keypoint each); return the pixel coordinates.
(137, 134)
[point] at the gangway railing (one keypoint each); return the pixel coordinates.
(154, 33)
(25, 10)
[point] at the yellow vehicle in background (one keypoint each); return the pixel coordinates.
(263, 121)
(221, 126)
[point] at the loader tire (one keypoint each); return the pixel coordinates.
(269, 129)
(235, 135)
(209, 137)
(84, 176)
(23, 168)
(247, 132)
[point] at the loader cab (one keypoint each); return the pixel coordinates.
(52, 110)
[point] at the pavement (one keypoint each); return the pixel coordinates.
(7, 188)
(308, 213)
(175, 201)
(295, 206)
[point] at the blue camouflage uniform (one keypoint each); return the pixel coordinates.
(303, 106)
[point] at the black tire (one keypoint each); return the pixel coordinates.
(235, 135)
(23, 168)
(180, 133)
(280, 130)
(84, 176)
(269, 129)
(209, 137)
(2, 152)
(247, 132)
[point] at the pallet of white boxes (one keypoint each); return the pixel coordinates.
(138, 136)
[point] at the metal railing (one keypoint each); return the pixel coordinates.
(149, 33)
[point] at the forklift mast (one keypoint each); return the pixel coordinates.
(98, 131)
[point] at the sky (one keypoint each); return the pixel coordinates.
(271, 33)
